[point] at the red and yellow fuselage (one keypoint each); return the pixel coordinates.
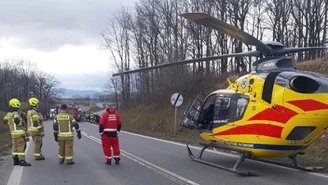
(286, 124)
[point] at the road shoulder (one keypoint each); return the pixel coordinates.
(6, 168)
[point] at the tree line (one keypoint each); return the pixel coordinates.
(153, 33)
(22, 80)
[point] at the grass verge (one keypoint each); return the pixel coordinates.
(5, 138)
(157, 122)
(94, 109)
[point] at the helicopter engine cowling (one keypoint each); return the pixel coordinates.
(303, 84)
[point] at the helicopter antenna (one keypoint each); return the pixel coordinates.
(229, 81)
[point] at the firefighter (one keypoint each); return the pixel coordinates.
(91, 116)
(110, 124)
(19, 136)
(35, 127)
(63, 123)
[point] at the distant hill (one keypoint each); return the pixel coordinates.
(69, 93)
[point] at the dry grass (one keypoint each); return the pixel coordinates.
(94, 109)
(5, 138)
(157, 122)
(316, 154)
(320, 66)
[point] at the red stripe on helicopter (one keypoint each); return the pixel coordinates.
(308, 105)
(279, 114)
(254, 129)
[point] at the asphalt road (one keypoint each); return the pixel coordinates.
(144, 161)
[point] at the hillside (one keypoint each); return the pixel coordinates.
(69, 93)
(85, 105)
(157, 121)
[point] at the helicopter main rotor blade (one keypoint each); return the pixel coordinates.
(294, 50)
(214, 23)
(243, 54)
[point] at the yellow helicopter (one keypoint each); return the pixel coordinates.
(275, 110)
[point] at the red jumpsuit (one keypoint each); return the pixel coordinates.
(109, 125)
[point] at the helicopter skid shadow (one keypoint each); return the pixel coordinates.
(234, 169)
(295, 165)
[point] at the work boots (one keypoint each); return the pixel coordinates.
(40, 158)
(19, 162)
(70, 163)
(24, 163)
(16, 160)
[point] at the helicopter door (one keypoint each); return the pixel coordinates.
(191, 115)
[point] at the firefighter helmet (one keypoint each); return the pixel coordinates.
(14, 103)
(33, 102)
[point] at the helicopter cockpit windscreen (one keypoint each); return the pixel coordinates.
(221, 109)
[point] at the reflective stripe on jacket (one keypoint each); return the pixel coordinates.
(34, 122)
(110, 123)
(16, 130)
(63, 123)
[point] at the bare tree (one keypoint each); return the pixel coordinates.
(154, 34)
(117, 41)
(45, 86)
(20, 79)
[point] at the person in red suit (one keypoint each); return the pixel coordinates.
(109, 126)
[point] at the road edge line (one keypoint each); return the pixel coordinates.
(153, 167)
(17, 172)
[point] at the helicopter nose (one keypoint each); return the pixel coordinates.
(304, 84)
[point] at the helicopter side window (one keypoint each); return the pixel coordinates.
(221, 110)
(241, 107)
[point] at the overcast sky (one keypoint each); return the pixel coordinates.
(61, 36)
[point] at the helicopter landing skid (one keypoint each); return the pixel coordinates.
(234, 169)
(295, 165)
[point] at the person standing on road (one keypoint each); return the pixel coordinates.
(110, 124)
(63, 123)
(35, 127)
(91, 117)
(19, 136)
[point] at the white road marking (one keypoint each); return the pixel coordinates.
(16, 174)
(216, 152)
(157, 169)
